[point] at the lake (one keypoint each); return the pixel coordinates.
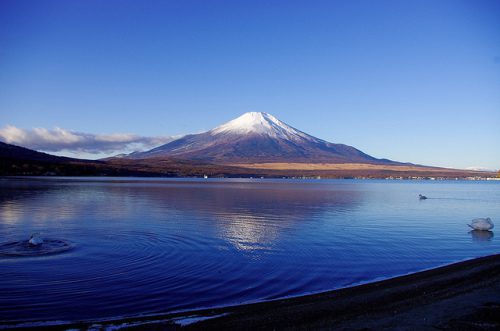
(145, 246)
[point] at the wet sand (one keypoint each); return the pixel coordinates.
(460, 296)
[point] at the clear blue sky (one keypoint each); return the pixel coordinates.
(415, 81)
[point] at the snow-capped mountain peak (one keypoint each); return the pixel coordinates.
(257, 138)
(262, 124)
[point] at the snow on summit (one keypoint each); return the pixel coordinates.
(257, 138)
(262, 124)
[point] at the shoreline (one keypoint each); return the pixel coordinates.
(461, 295)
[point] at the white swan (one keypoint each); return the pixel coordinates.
(35, 239)
(482, 224)
(422, 197)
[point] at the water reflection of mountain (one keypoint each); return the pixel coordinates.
(253, 215)
(288, 200)
(39, 202)
(14, 193)
(250, 215)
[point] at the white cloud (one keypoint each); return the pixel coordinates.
(62, 140)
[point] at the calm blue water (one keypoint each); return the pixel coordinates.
(156, 245)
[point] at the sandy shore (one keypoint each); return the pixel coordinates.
(460, 296)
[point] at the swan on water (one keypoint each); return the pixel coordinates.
(481, 224)
(422, 197)
(35, 239)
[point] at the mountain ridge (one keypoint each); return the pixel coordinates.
(20, 161)
(23, 153)
(258, 137)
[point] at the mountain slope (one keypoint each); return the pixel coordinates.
(17, 152)
(15, 160)
(256, 138)
(19, 161)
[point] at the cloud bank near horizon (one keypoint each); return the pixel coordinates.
(63, 140)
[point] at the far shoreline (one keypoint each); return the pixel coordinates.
(459, 295)
(298, 178)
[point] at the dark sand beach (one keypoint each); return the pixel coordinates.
(460, 296)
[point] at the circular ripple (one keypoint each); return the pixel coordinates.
(23, 248)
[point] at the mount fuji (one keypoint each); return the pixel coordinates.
(257, 137)
(254, 144)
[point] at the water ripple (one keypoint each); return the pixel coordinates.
(155, 246)
(24, 249)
